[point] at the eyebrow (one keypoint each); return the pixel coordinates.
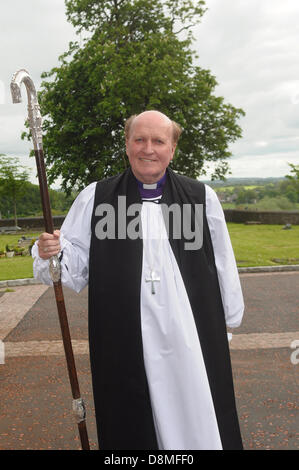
(155, 137)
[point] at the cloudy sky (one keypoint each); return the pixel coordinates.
(250, 46)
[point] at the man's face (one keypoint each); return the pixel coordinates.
(150, 147)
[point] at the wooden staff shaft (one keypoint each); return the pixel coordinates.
(64, 326)
(35, 124)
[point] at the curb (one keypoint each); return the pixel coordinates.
(253, 269)
(269, 269)
(19, 282)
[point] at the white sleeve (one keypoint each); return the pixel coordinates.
(75, 242)
(229, 281)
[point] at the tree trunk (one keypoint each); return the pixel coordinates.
(15, 211)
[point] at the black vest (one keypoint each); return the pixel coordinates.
(121, 395)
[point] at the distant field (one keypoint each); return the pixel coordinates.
(228, 205)
(232, 188)
(254, 245)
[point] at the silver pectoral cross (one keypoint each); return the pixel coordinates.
(153, 278)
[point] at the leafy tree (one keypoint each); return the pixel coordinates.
(292, 195)
(137, 55)
(294, 180)
(270, 190)
(278, 203)
(246, 196)
(13, 178)
(29, 204)
(295, 170)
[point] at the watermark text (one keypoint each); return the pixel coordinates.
(123, 222)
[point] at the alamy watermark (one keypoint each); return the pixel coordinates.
(295, 354)
(184, 222)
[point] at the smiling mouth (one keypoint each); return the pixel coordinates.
(147, 160)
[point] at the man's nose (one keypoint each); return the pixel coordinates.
(148, 147)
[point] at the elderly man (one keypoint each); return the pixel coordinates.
(158, 304)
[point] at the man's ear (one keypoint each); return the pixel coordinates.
(173, 150)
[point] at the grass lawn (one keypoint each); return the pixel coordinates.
(18, 267)
(12, 239)
(264, 245)
(254, 245)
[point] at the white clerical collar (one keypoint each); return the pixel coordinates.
(159, 184)
(150, 186)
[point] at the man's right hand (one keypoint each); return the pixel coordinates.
(49, 244)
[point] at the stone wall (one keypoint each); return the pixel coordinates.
(263, 217)
(35, 223)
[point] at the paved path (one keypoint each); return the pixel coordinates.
(35, 393)
(15, 304)
(239, 342)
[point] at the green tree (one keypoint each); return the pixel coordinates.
(29, 204)
(13, 178)
(138, 55)
(294, 180)
(248, 196)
